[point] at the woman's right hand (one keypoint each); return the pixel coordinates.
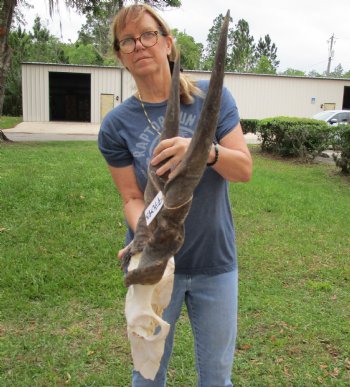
(172, 149)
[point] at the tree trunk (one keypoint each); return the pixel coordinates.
(3, 138)
(6, 13)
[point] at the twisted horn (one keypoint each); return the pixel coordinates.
(163, 238)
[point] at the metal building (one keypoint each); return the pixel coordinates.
(54, 92)
(261, 96)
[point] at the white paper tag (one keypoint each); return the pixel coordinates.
(153, 209)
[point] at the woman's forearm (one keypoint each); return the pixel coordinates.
(234, 165)
(133, 210)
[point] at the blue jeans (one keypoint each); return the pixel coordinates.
(212, 309)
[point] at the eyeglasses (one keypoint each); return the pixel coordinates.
(147, 39)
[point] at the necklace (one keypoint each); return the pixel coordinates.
(146, 115)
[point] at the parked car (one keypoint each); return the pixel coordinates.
(334, 117)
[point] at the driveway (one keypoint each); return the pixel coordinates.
(53, 131)
(67, 131)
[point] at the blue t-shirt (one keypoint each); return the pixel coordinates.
(126, 138)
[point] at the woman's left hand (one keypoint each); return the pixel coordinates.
(172, 150)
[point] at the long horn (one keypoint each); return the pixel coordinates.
(165, 235)
(192, 167)
(172, 115)
(156, 183)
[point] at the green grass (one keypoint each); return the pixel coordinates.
(62, 293)
(9, 122)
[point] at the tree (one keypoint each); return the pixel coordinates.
(38, 45)
(20, 40)
(242, 55)
(93, 6)
(7, 8)
(190, 51)
(243, 48)
(96, 31)
(163, 3)
(268, 50)
(337, 72)
(314, 73)
(264, 66)
(82, 54)
(293, 72)
(212, 42)
(7, 12)
(44, 47)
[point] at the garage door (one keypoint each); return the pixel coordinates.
(70, 96)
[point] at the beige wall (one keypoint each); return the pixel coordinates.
(267, 96)
(257, 96)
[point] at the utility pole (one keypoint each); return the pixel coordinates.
(330, 55)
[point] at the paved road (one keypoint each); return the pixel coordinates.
(18, 136)
(53, 131)
(66, 131)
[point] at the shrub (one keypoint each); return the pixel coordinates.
(291, 136)
(249, 125)
(341, 143)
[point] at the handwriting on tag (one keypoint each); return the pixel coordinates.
(153, 209)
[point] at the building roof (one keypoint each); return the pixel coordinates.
(194, 71)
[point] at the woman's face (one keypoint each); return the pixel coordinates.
(145, 61)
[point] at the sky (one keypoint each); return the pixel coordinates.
(301, 29)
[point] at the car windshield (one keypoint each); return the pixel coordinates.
(323, 116)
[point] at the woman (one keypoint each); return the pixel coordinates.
(206, 266)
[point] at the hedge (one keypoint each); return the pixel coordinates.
(249, 125)
(341, 143)
(292, 136)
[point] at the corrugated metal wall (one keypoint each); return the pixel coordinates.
(257, 96)
(104, 81)
(129, 86)
(35, 97)
(261, 96)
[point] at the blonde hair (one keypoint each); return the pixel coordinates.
(188, 87)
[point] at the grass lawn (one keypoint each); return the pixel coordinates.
(9, 122)
(62, 294)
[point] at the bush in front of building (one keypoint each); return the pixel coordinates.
(249, 125)
(294, 137)
(341, 144)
